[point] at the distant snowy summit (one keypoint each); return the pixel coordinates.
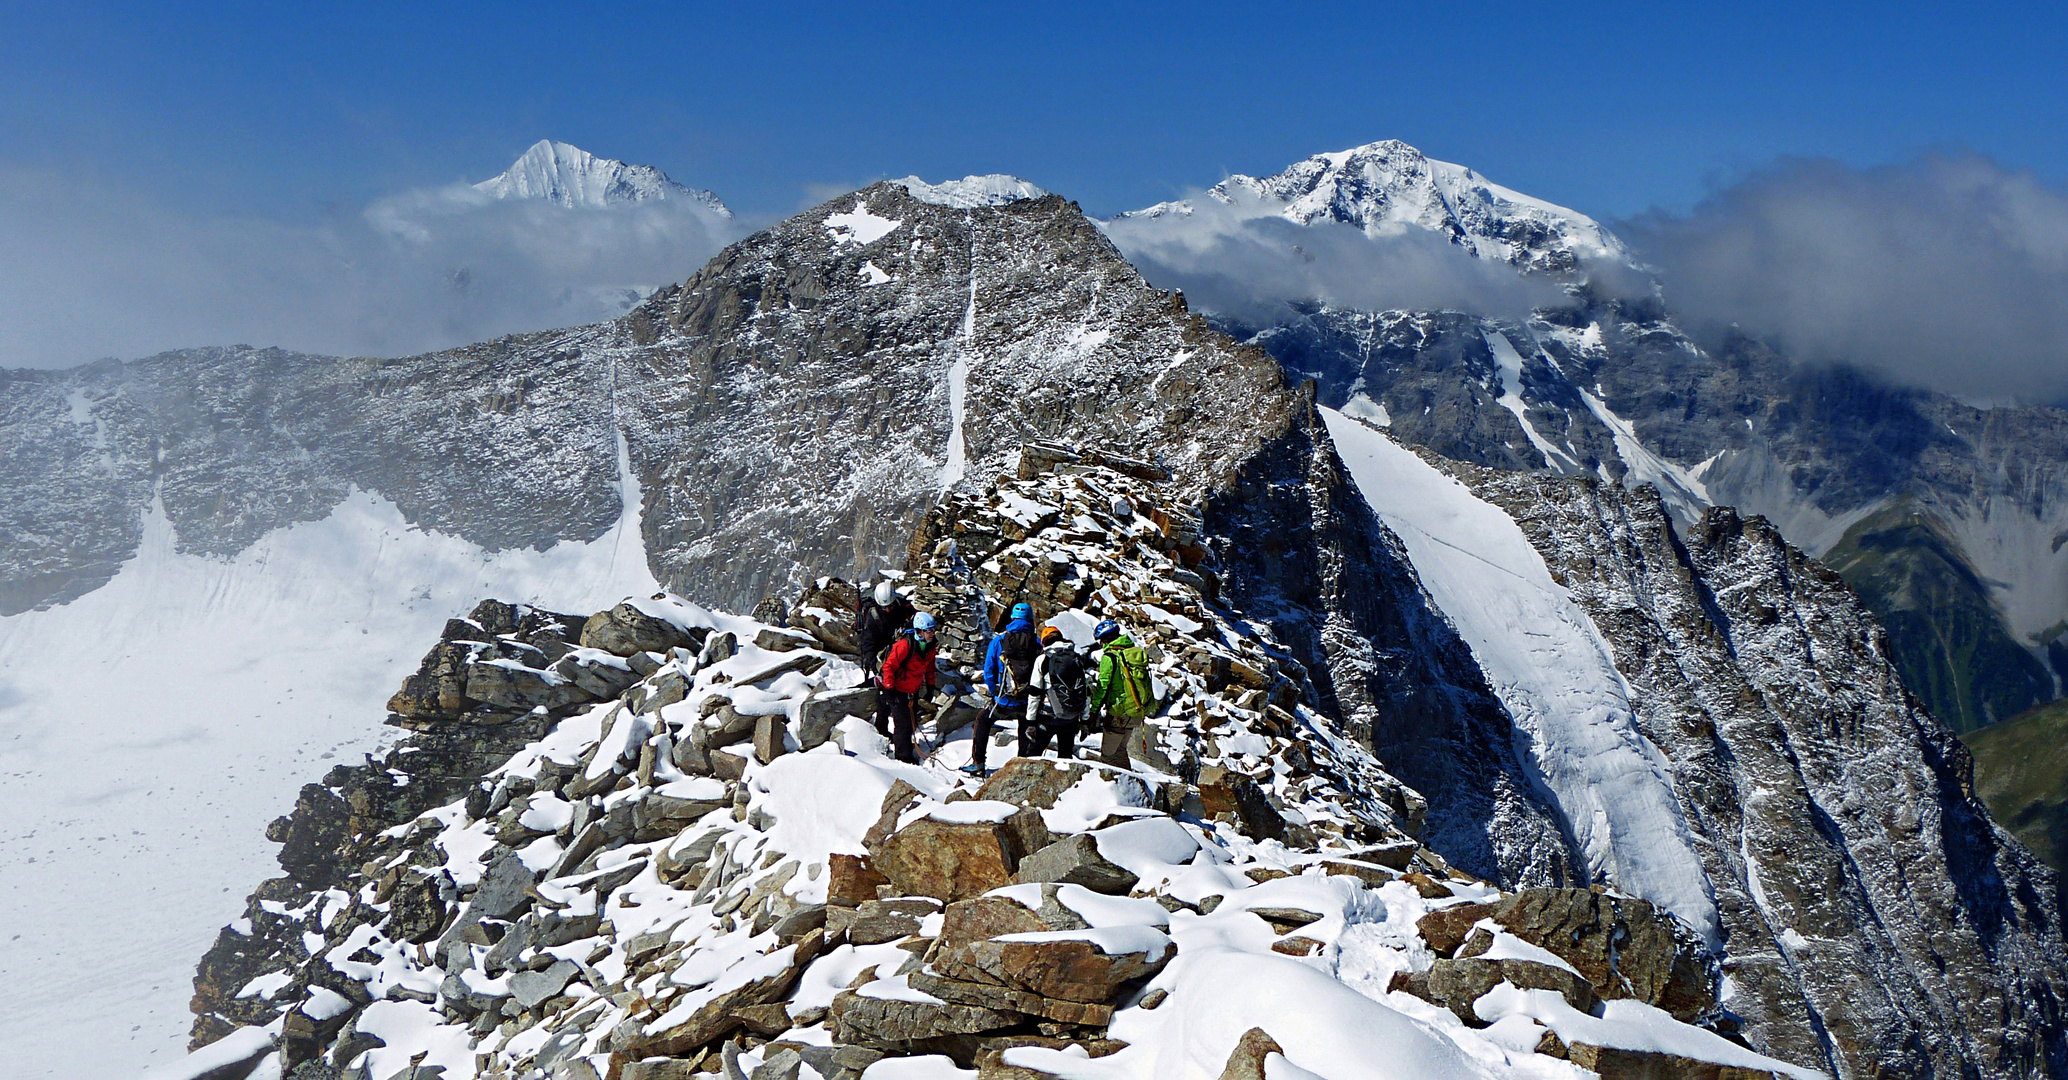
(1388, 187)
(571, 176)
(993, 189)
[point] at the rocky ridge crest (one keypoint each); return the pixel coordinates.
(716, 872)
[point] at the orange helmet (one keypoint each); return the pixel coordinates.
(1050, 635)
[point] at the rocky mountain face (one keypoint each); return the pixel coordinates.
(696, 860)
(800, 408)
(1731, 640)
(1942, 515)
(1947, 518)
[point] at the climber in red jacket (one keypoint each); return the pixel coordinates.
(908, 673)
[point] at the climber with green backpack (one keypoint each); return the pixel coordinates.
(1123, 694)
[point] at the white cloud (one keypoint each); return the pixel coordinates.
(1244, 261)
(1944, 272)
(92, 271)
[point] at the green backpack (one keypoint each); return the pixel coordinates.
(1135, 693)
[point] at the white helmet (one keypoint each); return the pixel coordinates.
(884, 593)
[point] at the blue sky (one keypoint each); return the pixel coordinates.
(293, 111)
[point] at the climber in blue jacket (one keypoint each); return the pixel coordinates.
(1008, 664)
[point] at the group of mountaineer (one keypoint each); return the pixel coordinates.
(1036, 677)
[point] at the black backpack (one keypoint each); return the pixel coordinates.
(876, 625)
(869, 620)
(1069, 691)
(1016, 656)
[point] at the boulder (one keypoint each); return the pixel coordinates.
(1617, 1064)
(1075, 860)
(954, 860)
(664, 689)
(1447, 928)
(1456, 984)
(439, 687)
(531, 988)
(775, 640)
(892, 1024)
(624, 630)
(1007, 999)
(771, 737)
(511, 686)
(719, 1016)
(1226, 791)
(851, 879)
(1246, 1061)
(1071, 969)
(1624, 947)
(823, 711)
(658, 817)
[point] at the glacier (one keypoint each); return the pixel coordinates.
(1550, 667)
(149, 727)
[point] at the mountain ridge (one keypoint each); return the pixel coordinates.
(756, 401)
(1608, 384)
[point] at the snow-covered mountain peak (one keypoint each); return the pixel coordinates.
(571, 176)
(991, 189)
(1388, 187)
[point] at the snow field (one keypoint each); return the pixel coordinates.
(1550, 667)
(150, 729)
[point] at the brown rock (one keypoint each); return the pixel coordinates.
(1625, 947)
(1007, 999)
(662, 1069)
(1428, 887)
(957, 860)
(1068, 970)
(1226, 791)
(771, 737)
(1037, 782)
(1297, 946)
(884, 1024)
(775, 640)
(625, 630)
(1614, 1064)
(1446, 928)
(721, 1016)
(1371, 874)
(767, 1020)
(1246, 1061)
(1075, 860)
(852, 880)
(1456, 984)
(1286, 919)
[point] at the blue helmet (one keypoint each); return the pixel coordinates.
(923, 621)
(1023, 611)
(1106, 631)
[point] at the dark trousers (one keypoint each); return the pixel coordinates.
(1036, 732)
(980, 735)
(894, 720)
